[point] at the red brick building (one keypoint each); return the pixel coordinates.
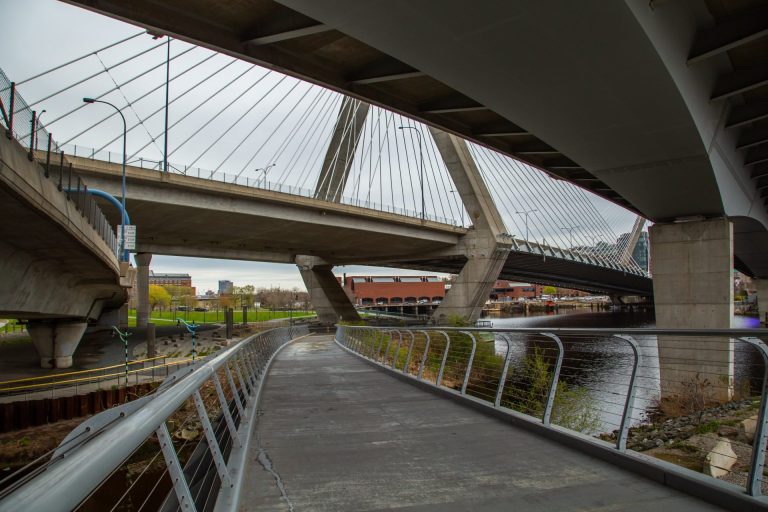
(511, 290)
(394, 290)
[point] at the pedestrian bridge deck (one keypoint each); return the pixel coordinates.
(335, 433)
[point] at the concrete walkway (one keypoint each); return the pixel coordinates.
(337, 434)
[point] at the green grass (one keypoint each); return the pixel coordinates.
(706, 428)
(167, 317)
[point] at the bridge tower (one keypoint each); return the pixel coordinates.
(485, 255)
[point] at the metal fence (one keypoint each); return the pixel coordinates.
(22, 124)
(641, 389)
(181, 447)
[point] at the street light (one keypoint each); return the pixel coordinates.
(570, 234)
(421, 164)
(461, 206)
(266, 170)
(526, 213)
(123, 253)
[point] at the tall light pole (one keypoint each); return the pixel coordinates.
(526, 213)
(461, 205)
(123, 253)
(570, 229)
(266, 170)
(421, 163)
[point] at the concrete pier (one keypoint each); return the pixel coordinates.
(693, 288)
(142, 284)
(328, 297)
(56, 341)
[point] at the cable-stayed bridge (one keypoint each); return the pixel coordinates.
(276, 169)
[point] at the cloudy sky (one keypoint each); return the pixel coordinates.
(227, 116)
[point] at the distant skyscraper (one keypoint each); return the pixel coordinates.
(640, 254)
(225, 287)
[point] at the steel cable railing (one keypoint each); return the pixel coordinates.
(198, 419)
(688, 391)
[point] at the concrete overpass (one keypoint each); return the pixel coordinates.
(57, 258)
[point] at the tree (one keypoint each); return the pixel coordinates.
(158, 296)
(549, 290)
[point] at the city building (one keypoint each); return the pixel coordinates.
(510, 290)
(225, 287)
(184, 280)
(640, 254)
(393, 290)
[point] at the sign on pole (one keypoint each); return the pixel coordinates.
(130, 236)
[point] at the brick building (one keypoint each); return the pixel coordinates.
(393, 290)
(184, 280)
(511, 290)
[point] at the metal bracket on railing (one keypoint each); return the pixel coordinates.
(545, 419)
(469, 364)
(504, 371)
(180, 485)
(757, 463)
(445, 358)
(424, 357)
(213, 444)
(626, 417)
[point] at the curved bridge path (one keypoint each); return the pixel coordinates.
(336, 434)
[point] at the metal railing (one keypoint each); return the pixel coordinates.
(216, 399)
(246, 181)
(21, 123)
(140, 371)
(618, 385)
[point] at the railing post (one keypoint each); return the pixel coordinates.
(469, 364)
(213, 444)
(621, 441)
(555, 378)
(224, 405)
(48, 160)
(33, 122)
(410, 350)
(180, 485)
(445, 358)
(11, 109)
(424, 357)
(397, 352)
(503, 378)
(757, 463)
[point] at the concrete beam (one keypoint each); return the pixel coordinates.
(327, 295)
(341, 150)
(693, 288)
(634, 236)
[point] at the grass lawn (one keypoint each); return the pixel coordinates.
(167, 317)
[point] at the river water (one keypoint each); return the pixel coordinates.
(601, 365)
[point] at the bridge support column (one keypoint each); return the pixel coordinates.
(142, 288)
(465, 300)
(338, 158)
(56, 341)
(328, 297)
(693, 288)
(762, 300)
(485, 256)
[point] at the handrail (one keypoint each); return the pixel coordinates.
(101, 368)
(483, 385)
(95, 449)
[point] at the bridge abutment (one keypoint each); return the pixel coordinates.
(693, 288)
(762, 300)
(142, 288)
(328, 298)
(56, 341)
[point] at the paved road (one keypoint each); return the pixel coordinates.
(337, 434)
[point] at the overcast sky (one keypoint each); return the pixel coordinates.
(242, 118)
